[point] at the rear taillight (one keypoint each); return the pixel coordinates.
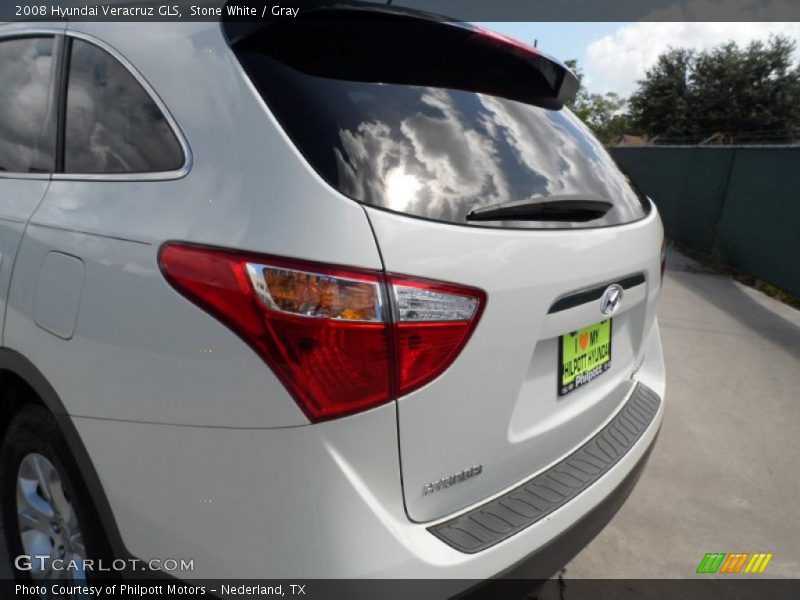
(331, 335)
(433, 321)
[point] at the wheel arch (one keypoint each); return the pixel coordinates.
(22, 383)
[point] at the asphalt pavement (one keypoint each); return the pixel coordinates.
(725, 473)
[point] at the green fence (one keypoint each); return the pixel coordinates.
(741, 201)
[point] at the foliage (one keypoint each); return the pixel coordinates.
(728, 94)
(603, 113)
(740, 91)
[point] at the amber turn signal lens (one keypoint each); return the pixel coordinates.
(315, 295)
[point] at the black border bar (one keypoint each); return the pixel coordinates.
(463, 10)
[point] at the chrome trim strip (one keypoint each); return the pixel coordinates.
(595, 292)
(12, 29)
(7, 175)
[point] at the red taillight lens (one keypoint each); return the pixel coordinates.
(331, 368)
(434, 322)
(326, 331)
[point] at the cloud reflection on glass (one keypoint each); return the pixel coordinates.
(441, 153)
(112, 124)
(436, 152)
(27, 123)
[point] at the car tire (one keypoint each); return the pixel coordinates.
(34, 451)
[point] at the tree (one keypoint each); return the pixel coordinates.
(661, 104)
(601, 112)
(750, 93)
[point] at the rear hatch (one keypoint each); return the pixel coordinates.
(472, 172)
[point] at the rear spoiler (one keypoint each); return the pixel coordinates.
(363, 41)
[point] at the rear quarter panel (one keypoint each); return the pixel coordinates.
(140, 351)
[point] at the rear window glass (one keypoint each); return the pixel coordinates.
(431, 151)
(112, 124)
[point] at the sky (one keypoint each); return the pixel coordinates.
(613, 56)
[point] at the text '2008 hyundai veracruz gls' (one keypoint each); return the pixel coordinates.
(350, 294)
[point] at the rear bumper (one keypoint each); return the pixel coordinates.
(544, 562)
(310, 502)
(510, 513)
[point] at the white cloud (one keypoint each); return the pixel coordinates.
(616, 62)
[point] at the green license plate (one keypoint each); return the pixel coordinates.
(583, 355)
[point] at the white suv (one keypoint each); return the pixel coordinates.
(350, 294)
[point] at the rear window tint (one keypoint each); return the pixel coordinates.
(432, 151)
(112, 124)
(27, 112)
